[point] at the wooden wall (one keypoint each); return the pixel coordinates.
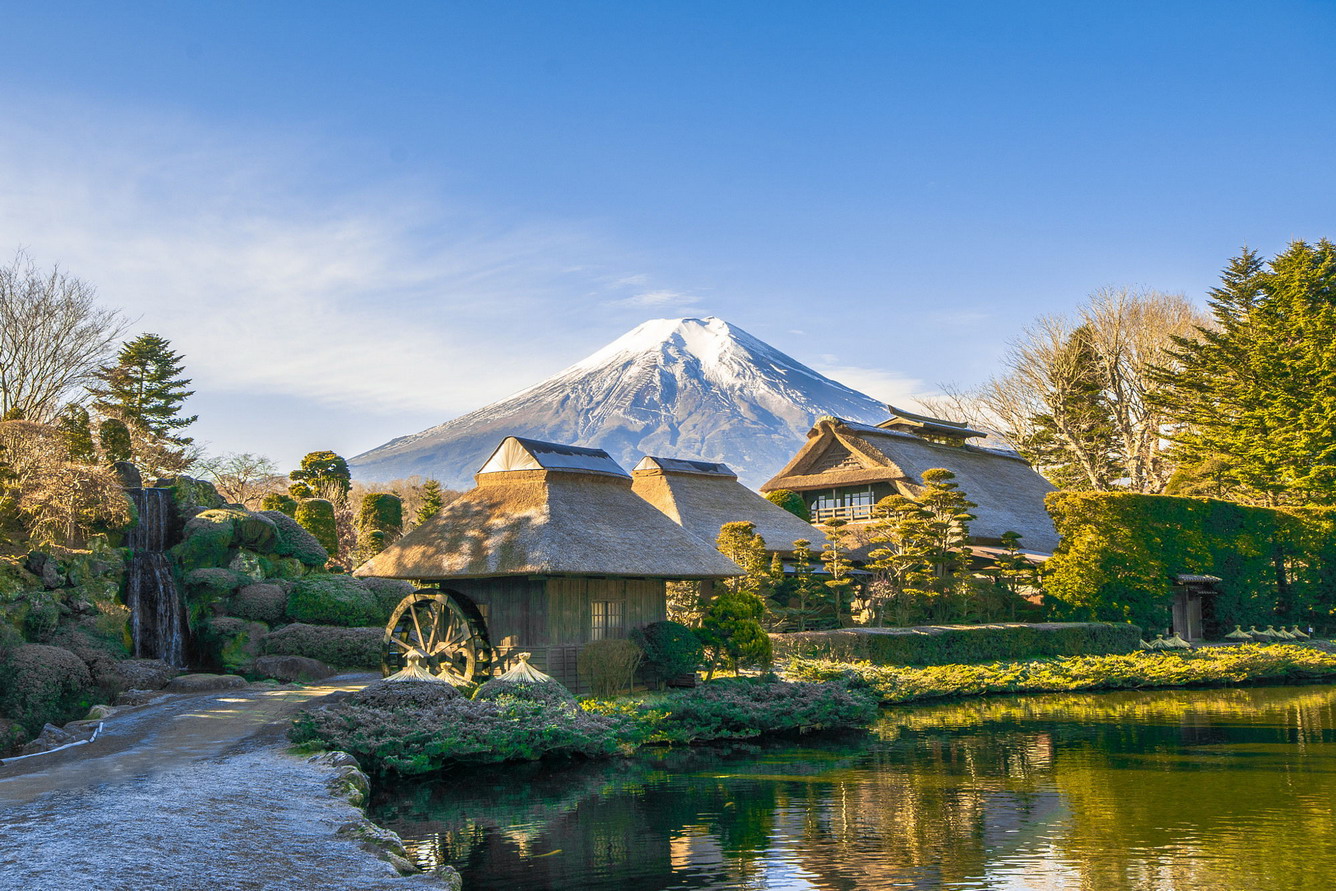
(551, 618)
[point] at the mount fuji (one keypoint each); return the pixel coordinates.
(676, 388)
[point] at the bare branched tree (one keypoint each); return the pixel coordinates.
(53, 337)
(244, 478)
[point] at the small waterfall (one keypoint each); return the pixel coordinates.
(157, 615)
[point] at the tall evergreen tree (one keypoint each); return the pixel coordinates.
(145, 389)
(1254, 395)
(432, 502)
(323, 474)
(76, 433)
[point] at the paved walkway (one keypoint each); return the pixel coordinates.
(189, 792)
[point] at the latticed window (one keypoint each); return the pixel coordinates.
(606, 618)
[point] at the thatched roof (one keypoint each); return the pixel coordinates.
(1008, 492)
(572, 514)
(702, 496)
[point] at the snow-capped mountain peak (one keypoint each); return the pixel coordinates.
(678, 388)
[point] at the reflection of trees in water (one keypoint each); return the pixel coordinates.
(1161, 790)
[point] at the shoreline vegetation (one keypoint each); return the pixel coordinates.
(414, 728)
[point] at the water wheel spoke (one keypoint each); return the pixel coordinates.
(422, 638)
(408, 648)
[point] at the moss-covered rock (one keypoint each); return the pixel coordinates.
(262, 602)
(215, 582)
(250, 564)
(295, 542)
(388, 594)
(206, 541)
(341, 647)
(231, 643)
(44, 685)
(189, 492)
(332, 600)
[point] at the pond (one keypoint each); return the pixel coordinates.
(1215, 789)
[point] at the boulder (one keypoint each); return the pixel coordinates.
(145, 674)
(261, 602)
(51, 737)
(205, 683)
(131, 698)
(290, 668)
(129, 475)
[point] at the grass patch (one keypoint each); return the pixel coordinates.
(1214, 667)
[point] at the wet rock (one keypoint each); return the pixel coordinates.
(129, 474)
(137, 697)
(334, 759)
(401, 865)
(374, 838)
(51, 737)
(145, 674)
(291, 668)
(449, 877)
(204, 683)
(351, 785)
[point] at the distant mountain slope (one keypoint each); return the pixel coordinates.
(677, 388)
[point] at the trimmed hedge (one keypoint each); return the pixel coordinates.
(316, 516)
(294, 541)
(333, 600)
(44, 685)
(955, 644)
(340, 647)
(1121, 552)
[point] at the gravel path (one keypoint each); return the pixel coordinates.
(191, 792)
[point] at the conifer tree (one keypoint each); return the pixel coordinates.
(322, 474)
(114, 437)
(76, 433)
(835, 555)
(432, 502)
(145, 389)
(806, 589)
(899, 562)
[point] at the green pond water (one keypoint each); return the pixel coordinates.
(1214, 789)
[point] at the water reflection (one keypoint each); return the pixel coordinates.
(1166, 790)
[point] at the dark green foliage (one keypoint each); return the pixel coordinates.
(230, 643)
(215, 583)
(322, 475)
(332, 600)
(792, 502)
(414, 739)
(1120, 554)
(114, 437)
(388, 594)
(551, 692)
(432, 502)
(340, 647)
(746, 707)
(671, 650)
(76, 434)
(278, 501)
(1255, 394)
(946, 645)
(145, 388)
(205, 542)
(41, 616)
(260, 602)
(316, 516)
(731, 631)
(292, 540)
(404, 694)
(380, 511)
(44, 685)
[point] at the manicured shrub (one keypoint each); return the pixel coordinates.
(792, 502)
(261, 602)
(43, 685)
(550, 691)
(1214, 667)
(952, 644)
(608, 667)
(316, 516)
(404, 694)
(295, 542)
(731, 631)
(745, 707)
(279, 501)
(342, 647)
(417, 739)
(671, 650)
(380, 518)
(332, 600)
(388, 594)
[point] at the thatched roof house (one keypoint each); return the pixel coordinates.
(547, 509)
(844, 468)
(702, 496)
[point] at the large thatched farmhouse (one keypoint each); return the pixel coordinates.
(845, 468)
(550, 550)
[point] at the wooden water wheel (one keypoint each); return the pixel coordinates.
(445, 629)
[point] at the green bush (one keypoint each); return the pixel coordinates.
(340, 647)
(207, 540)
(41, 616)
(332, 600)
(44, 685)
(261, 602)
(279, 501)
(1213, 667)
(418, 738)
(792, 502)
(316, 516)
(953, 644)
(746, 707)
(189, 493)
(671, 650)
(380, 518)
(550, 691)
(295, 542)
(388, 594)
(230, 643)
(1120, 554)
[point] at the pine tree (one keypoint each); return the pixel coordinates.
(835, 555)
(432, 502)
(947, 539)
(145, 389)
(807, 590)
(731, 631)
(322, 474)
(114, 437)
(740, 543)
(76, 433)
(901, 571)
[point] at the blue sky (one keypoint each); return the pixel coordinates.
(358, 220)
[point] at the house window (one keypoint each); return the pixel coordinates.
(606, 618)
(843, 504)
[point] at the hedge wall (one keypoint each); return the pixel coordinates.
(1121, 552)
(955, 644)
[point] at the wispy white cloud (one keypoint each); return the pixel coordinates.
(658, 300)
(887, 386)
